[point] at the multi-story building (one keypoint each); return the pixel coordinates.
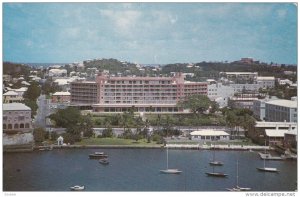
(242, 88)
(219, 93)
(143, 94)
(84, 93)
(243, 100)
(61, 97)
(12, 97)
(266, 82)
(16, 116)
(281, 110)
(240, 77)
(259, 107)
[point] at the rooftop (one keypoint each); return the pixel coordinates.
(61, 94)
(10, 93)
(283, 103)
(208, 132)
(276, 133)
(265, 78)
(15, 107)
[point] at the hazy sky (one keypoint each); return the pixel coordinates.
(149, 32)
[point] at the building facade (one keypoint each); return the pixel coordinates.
(281, 110)
(12, 97)
(16, 116)
(61, 97)
(266, 82)
(143, 94)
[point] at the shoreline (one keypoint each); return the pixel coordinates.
(170, 146)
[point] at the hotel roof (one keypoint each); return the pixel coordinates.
(15, 107)
(276, 133)
(61, 94)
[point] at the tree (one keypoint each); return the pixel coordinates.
(75, 123)
(33, 92)
(196, 103)
(39, 134)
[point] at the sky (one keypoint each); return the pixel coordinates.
(149, 33)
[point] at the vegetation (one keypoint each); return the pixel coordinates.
(16, 70)
(114, 141)
(39, 135)
(198, 104)
(76, 125)
(30, 97)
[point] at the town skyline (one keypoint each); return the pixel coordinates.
(149, 33)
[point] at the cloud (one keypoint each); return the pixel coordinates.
(125, 20)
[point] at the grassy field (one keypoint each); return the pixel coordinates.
(114, 141)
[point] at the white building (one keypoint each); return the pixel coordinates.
(209, 135)
(239, 88)
(57, 72)
(219, 93)
(281, 110)
(266, 82)
(259, 107)
(12, 97)
(285, 81)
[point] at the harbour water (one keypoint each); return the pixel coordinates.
(138, 170)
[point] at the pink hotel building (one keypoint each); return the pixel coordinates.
(144, 94)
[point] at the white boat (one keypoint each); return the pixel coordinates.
(268, 156)
(265, 169)
(77, 188)
(168, 170)
(214, 162)
(237, 188)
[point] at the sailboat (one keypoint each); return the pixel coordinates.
(214, 162)
(264, 169)
(216, 174)
(170, 171)
(237, 188)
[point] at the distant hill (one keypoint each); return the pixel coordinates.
(15, 70)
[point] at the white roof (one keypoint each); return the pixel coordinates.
(275, 133)
(208, 132)
(265, 78)
(240, 73)
(283, 103)
(61, 94)
(55, 70)
(292, 132)
(10, 93)
(15, 107)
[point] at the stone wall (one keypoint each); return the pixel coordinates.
(19, 141)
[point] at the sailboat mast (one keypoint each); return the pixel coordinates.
(237, 172)
(265, 153)
(167, 158)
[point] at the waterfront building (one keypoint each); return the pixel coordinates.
(61, 97)
(274, 136)
(261, 126)
(16, 116)
(266, 82)
(281, 110)
(142, 94)
(17, 128)
(209, 135)
(290, 138)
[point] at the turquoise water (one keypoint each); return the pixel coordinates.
(138, 170)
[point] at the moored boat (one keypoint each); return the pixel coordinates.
(264, 169)
(98, 155)
(171, 171)
(77, 188)
(216, 163)
(104, 161)
(216, 174)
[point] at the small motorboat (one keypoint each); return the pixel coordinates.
(264, 169)
(171, 171)
(98, 155)
(216, 174)
(104, 161)
(216, 163)
(239, 189)
(77, 188)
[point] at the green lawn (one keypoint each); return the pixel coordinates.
(114, 141)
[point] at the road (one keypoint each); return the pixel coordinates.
(42, 112)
